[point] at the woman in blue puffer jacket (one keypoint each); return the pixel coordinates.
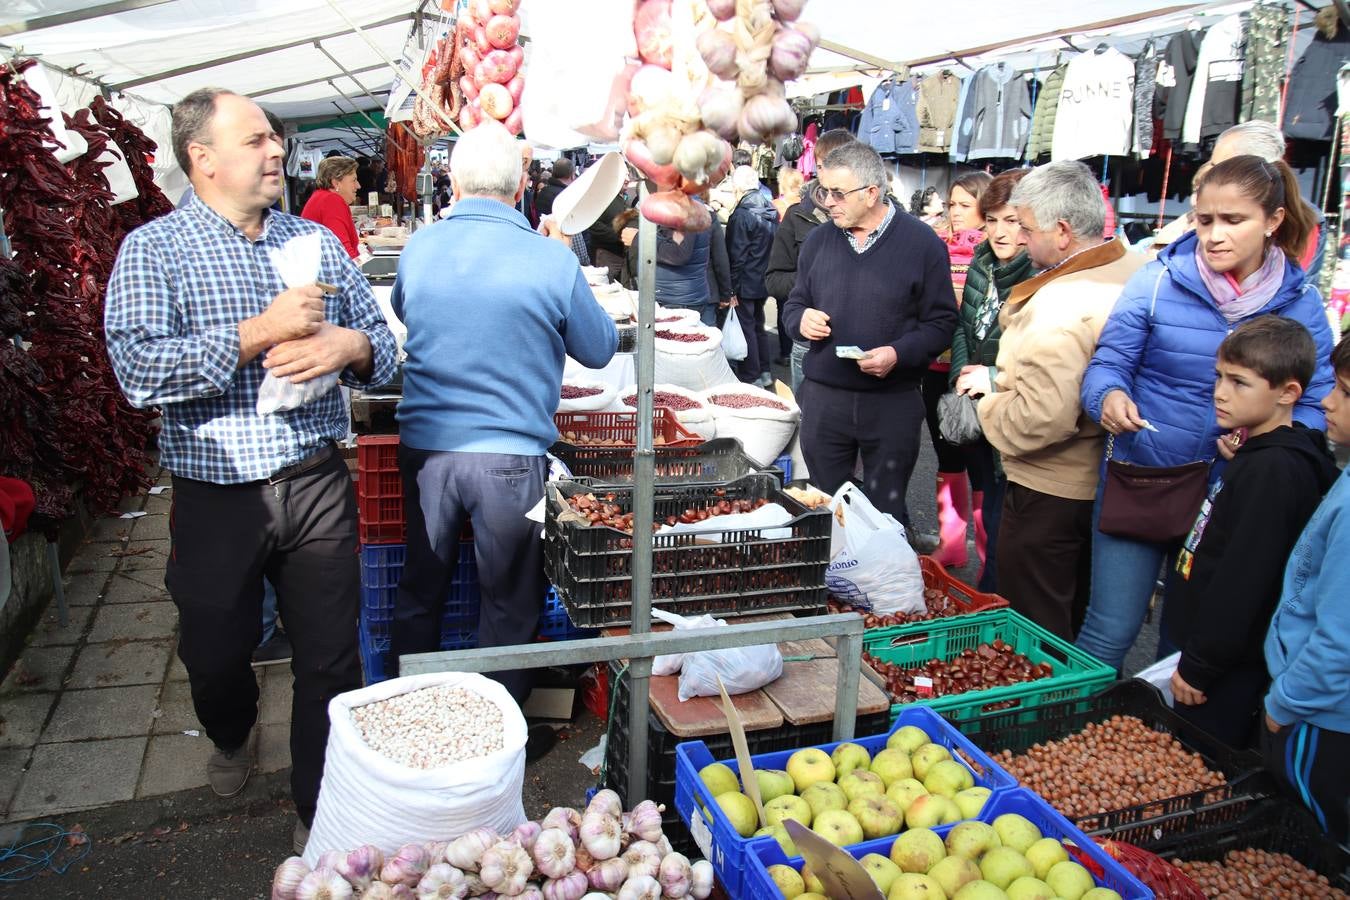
(1155, 361)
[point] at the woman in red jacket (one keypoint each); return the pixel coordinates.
(330, 204)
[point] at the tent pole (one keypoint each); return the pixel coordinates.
(371, 145)
(359, 110)
(79, 15)
(352, 75)
(253, 95)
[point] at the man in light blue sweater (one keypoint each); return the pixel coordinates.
(491, 308)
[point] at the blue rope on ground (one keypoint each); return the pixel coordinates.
(21, 861)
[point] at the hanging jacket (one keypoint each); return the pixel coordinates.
(1310, 105)
(1145, 85)
(1096, 106)
(997, 116)
(750, 233)
(961, 139)
(806, 163)
(967, 348)
(1267, 50)
(1043, 121)
(1159, 347)
(1217, 86)
(1174, 81)
(890, 124)
(936, 109)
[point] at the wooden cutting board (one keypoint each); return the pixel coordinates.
(702, 716)
(805, 692)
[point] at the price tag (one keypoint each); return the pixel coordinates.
(923, 685)
(698, 829)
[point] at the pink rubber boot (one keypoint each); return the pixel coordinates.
(981, 536)
(953, 499)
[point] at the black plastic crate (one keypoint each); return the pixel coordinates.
(1145, 824)
(591, 566)
(1276, 825)
(714, 462)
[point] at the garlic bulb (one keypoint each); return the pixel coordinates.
(361, 866)
(329, 859)
(554, 853)
(526, 833)
(323, 884)
(675, 875)
(644, 822)
(600, 835)
(565, 818)
(663, 846)
(700, 879)
(474, 885)
(287, 878)
(442, 882)
(584, 861)
(643, 887)
(436, 851)
(530, 893)
(407, 866)
(505, 868)
(643, 859)
(606, 801)
(608, 875)
(465, 851)
(569, 887)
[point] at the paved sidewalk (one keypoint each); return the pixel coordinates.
(99, 712)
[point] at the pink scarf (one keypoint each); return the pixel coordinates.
(1238, 301)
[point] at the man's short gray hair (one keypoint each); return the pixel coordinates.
(744, 180)
(192, 122)
(1256, 138)
(487, 162)
(1064, 191)
(864, 162)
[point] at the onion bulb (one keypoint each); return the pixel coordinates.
(674, 209)
(495, 100)
(651, 27)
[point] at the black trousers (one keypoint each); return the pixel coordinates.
(300, 532)
(750, 313)
(884, 426)
(1045, 558)
(1229, 712)
(1309, 764)
(442, 489)
(950, 458)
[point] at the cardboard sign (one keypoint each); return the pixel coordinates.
(748, 780)
(842, 875)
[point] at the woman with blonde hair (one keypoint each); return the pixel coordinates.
(330, 204)
(790, 183)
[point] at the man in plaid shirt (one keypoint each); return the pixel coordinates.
(195, 317)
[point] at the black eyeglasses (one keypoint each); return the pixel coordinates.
(825, 196)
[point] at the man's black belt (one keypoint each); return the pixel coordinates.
(313, 461)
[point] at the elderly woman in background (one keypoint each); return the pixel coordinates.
(790, 183)
(330, 205)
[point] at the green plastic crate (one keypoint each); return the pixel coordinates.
(1077, 675)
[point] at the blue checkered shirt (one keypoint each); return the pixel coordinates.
(180, 288)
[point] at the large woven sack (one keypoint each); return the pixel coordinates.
(763, 430)
(696, 362)
(699, 419)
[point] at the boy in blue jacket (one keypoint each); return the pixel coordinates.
(1306, 738)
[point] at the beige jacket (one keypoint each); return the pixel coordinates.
(1050, 328)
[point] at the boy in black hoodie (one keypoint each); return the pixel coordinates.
(1231, 567)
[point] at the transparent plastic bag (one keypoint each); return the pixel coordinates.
(297, 262)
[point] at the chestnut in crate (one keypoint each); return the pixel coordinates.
(987, 666)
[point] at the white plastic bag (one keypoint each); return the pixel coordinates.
(733, 338)
(297, 262)
(692, 357)
(741, 669)
(1160, 675)
(698, 418)
(872, 565)
(366, 798)
(763, 430)
(670, 663)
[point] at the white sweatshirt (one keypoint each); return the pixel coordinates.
(1221, 59)
(1095, 116)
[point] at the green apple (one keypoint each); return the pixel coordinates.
(881, 869)
(808, 767)
(1100, 893)
(980, 890)
(918, 850)
(811, 895)
(922, 759)
(789, 881)
(1044, 854)
(780, 834)
(788, 806)
(824, 795)
(903, 792)
(1001, 866)
(878, 816)
(740, 812)
(1029, 888)
(1069, 880)
(773, 783)
(861, 781)
(838, 827)
(951, 813)
(971, 801)
(913, 886)
(892, 765)
(948, 777)
(849, 756)
(719, 779)
(908, 738)
(926, 811)
(954, 873)
(813, 884)
(970, 840)
(1016, 832)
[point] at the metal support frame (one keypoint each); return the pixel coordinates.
(312, 81)
(350, 74)
(21, 26)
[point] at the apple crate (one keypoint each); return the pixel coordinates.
(728, 851)
(749, 571)
(1147, 824)
(621, 427)
(1020, 801)
(1076, 674)
(714, 462)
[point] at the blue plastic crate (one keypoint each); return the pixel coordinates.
(373, 638)
(556, 625)
(766, 852)
(728, 851)
(784, 462)
(382, 566)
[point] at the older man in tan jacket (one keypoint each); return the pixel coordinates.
(1051, 451)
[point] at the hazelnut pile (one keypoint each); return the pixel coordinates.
(938, 606)
(1258, 875)
(974, 669)
(1113, 764)
(585, 440)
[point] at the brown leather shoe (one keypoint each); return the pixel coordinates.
(228, 771)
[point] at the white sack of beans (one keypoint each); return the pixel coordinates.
(585, 394)
(763, 421)
(689, 407)
(691, 357)
(669, 316)
(386, 796)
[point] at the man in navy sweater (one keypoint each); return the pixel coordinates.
(491, 308)
(880, 280)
